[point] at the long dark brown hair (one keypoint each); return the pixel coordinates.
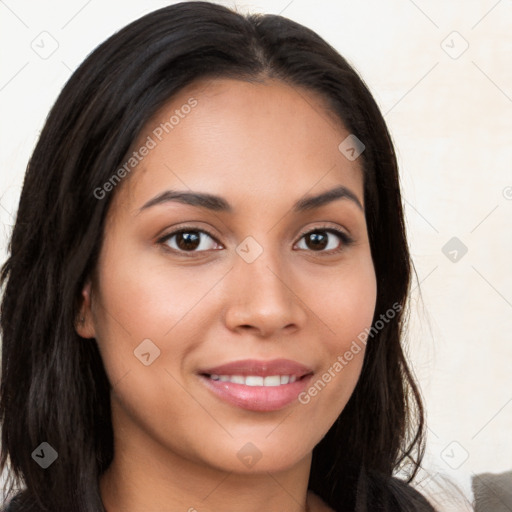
(53, 384)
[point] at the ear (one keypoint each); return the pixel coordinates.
(84, 324)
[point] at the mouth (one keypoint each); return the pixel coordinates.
(257, 385)
(256, 380)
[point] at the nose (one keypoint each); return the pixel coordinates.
(261, 297)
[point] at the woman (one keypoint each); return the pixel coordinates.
(203, 302)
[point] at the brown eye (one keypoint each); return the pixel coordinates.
(318, 240)
(189, 240)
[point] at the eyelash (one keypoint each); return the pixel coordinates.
(345, 239)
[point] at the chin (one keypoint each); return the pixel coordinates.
(257, 454)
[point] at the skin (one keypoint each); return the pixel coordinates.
(261, 146)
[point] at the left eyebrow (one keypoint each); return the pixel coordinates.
(217, 203)
(341, 192)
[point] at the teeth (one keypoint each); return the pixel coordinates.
(256, 380)
(273, 380)
(253, 381)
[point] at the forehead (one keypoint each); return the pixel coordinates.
(240, 139)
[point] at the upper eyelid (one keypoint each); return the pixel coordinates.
(185, 229)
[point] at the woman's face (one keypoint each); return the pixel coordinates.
(241, 286)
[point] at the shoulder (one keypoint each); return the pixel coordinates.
(19, 503)
(392, 493)
(317, 504)
(373, 492)
(13, 504)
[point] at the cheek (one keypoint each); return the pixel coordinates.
(145, 298)
(349, 303)
(347, 307)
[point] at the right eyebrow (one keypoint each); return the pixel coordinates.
(203, 200)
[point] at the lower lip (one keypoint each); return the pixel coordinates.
(257, 398)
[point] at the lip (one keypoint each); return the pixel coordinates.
(260, 368)
(258, 398)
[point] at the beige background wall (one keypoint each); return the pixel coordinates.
(441, 74)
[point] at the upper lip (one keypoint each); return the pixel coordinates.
(260, 368)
